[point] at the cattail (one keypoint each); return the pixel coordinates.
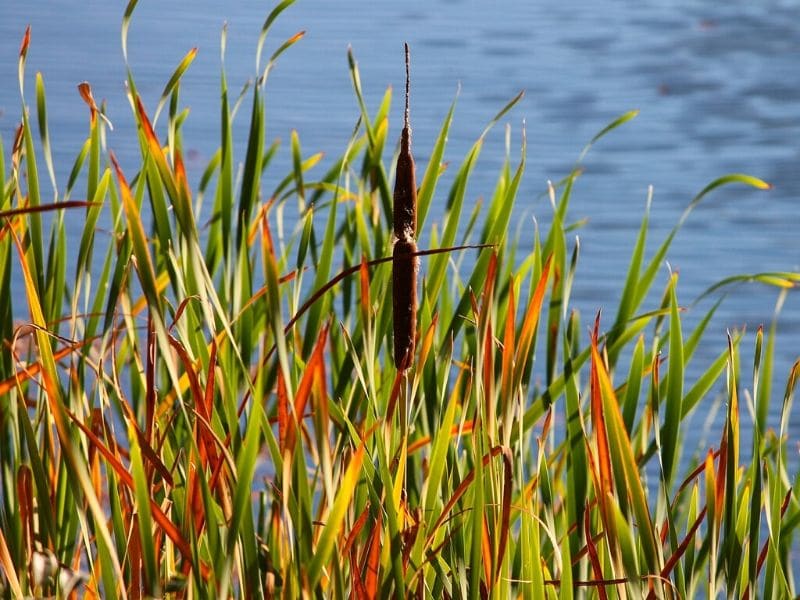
(405, 264)
(404, 300)
(405, 183)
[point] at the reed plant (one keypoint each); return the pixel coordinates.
(199, 395)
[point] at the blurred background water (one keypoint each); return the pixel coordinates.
(717, 85)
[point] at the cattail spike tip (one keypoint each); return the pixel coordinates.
(408, 83)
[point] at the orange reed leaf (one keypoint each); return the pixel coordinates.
(428, 339)
(394, 395)
(486, 552)
(364, 280)
(359, 589)
(681, 549)
(720, 479)
(134, 550)
(208, 397)
(599, 427)
(532, 317)
(594, 559)
(9, 568)
(197, 391)
(156, 151)
(283, 411)
(316, 364)
(507, 367)
(180, 175)
(373, 559)
(26, 41)
(85, 90)
(356, 530)
(149, 132)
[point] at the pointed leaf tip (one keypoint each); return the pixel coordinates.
(26, 40)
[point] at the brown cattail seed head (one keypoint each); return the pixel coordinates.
(405, 181)
(405, 192)
(404, 300)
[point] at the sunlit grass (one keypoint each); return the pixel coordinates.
(205, 402)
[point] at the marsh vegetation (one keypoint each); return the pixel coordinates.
(203, 400)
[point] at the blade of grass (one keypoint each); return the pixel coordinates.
(673, 416)
(333, 524)
(624, 118)
(41, 105)
(186, 61)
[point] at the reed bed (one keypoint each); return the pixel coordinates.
(196, 406)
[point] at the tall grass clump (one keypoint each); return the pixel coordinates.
(199, 399)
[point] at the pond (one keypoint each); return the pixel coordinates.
(717, 85)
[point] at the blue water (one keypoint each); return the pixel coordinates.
(717, 85)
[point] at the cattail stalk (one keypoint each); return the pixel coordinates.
(405, 263)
